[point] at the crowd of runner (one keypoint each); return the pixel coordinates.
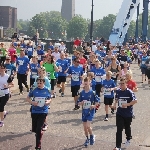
(94, 72)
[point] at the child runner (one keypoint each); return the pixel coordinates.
(88, 100)
(42, 99)
(109, 87)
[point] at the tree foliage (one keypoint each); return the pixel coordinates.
(52, 25)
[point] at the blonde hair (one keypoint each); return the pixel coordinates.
(109, 72)
(90, 74)
(129, 72)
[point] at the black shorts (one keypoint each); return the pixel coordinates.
(148, 73)
(75, 90)
(98, 89)
(139, 61)
(32, 80)
(38, 121)
(61, 79)
(108, 101)
(53, 83)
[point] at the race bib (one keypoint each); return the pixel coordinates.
(30, 49)
(81, 65)
(89, 67)
(114, 74)
(138, 56)
(39, 57)
(87, 104)
(122, 101)
(97, 54)
(107, 91)
(48, 75)
(2, 93)
(143, 62)
(98, 78)
(75, 77)
(18, 54)
(21, 63)
(122, 62)
(34, 74)
(106, 62)
(40, 100)
(8, 72)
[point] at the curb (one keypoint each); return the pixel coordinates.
(146, 144)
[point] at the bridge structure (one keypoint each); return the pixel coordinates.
(124, 18)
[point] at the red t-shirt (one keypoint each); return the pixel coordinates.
(131, 84)
(77, 42)
(12, 51)
(83, 62)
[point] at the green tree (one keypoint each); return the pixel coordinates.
(131, 30)
(77, 27)
(31, 30)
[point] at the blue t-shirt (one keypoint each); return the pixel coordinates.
(10, 68)
(103, 54)
(143, 60)
(76, 73)
(90, 97)
(51, 47)
(23, 45)
(34, 70)
(125, 96)
(98, 54)
(107, 84)
(40, 53)
(69, 61)
(30, 50)
(93, 83)
(63, 66)
(38, 93)
(98, 72)
(22, 63)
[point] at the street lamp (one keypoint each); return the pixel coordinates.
(91, 28)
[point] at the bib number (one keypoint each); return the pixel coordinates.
(48, 75)
(30, 49)
(122, 62)
(75, 77)
(34, 74)
(87, 104)
(143, 62)
(9, 72)
(122, 101)
(39, 57)
(2, 93)
(40, 100)
(114, 74)
(107, 92)
(98, 78)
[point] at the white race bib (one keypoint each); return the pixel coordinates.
(39, 57)
(98, 78)
(30, 49)
(48, 75)
(8, 72)
(122, 62)
(75, 77)
(21, 63)
(81, 65)
(122, 101)
(97, 54)
(107, 91)
(34, 74)
(114, 74)
(40, 100)
(106, 62)
(87, 104)
(143, 62)
(2, 93)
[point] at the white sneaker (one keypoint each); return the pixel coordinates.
(106, 119)
(127, 143)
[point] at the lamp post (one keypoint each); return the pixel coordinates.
(137, 25)
(91, 28)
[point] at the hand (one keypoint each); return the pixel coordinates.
(47, 102)
(125, 105)
(34, 103)
(81, 103)
(5, 85)
(27, 72)
(92, 106)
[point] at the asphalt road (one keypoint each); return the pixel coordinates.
(65, 130)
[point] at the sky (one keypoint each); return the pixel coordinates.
(29, 8)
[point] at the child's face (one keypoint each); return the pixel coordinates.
(86, 84)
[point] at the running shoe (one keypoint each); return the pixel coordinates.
(76, 108)
(62, 94)
(92, 139)
(106, 119)
(45, 126)
(127, 143)
(5, 113)
(112, 110)
(117, 148)
(86, 142)
(1, 124)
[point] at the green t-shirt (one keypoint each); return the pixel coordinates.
(18, 50)
(50, 70)
(3, 50)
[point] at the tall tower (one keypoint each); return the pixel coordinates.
(68, 9)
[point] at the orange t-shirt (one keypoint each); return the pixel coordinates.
(131, 84)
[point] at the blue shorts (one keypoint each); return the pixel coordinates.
(86, 117)
(143, 70)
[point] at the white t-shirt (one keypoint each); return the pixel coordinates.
(56, 55)
(3, 80)
(62, 48)
(94, 48)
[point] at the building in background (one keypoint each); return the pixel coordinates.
(68, 9)
(8, 17)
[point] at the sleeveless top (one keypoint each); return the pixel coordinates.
(114, 77)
